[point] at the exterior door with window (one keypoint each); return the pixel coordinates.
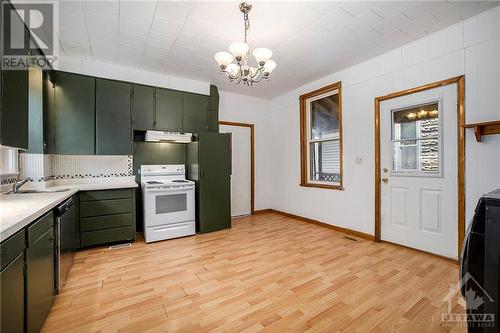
(418, 152)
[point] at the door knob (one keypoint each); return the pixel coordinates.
(385, 180)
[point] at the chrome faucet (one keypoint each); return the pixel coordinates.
(17, 185)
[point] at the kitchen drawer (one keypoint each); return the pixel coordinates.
(106, 194)
(37, 229)
(11, 248)
(90, 238)
(105, 207)
(106, 222)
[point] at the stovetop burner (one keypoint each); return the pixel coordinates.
(179, 181)
(153, 182)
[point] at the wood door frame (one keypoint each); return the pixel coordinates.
(252, 158)
(460, 82)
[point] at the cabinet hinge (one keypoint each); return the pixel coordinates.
(25, 269)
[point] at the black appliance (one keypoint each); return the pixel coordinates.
(65, 241)
(480, 264)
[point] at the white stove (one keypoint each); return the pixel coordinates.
(169, 202)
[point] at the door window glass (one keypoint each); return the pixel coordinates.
(415, 139)
(170, 203)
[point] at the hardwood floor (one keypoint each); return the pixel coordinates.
(268, 273)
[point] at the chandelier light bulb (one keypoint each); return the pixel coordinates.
(239, 50)
(223, 59)
(269, 66)
(262, 55)
(233, 70)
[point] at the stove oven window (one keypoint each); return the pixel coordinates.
(171, 203)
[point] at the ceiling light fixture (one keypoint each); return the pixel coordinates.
(241, 71)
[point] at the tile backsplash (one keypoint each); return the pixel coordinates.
(39, 167)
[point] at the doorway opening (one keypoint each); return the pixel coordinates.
(243, 166)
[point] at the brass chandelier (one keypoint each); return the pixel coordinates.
(235, 63)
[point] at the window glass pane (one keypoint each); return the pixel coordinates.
(416, 122)
(416, 156)
(325, 161)
(324, 117)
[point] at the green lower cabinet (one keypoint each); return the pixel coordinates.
(107, 216)
(39, 280)
(12, 296)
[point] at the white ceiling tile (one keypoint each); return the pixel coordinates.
(355, 8)
(132, 40)
(160, 40)
(155, 52)
(197, 27)
(166, 26)
(133, 26)
(202, 61)
(76, 50)
(140, 10)
(152, 64)
(173, 10)
(129, 56)
(392, 23)
(337, 17)
(181, 52)
(323, 7)
(388, 9)
(364, 21)
(105, 52)
(188, 40)
(175, 61)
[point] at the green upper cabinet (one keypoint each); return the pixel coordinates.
(14, 110)
(143, 107)
(113, 131)
(49, 93)
(168, 110)
(194, 112)
(74, 114)
(213, 111)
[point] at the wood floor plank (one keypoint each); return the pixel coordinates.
(269, 273)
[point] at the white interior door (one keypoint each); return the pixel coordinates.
(241, 169)
(418, 152)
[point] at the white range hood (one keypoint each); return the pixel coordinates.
(162, 136)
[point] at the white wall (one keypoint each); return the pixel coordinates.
(471, 48)
(246, 109)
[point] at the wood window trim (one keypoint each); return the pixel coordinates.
(303, 137)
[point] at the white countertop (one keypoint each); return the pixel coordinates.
(19, 210)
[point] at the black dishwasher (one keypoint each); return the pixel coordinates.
(65, 242)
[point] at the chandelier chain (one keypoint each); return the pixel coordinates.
(247, 24)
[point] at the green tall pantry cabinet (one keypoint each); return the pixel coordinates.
(209, 165)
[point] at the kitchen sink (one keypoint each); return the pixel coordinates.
(39, 191)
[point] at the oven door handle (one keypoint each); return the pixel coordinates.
(183, 190)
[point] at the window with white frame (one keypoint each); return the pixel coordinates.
(416, 140)
(321, 136)
(8, 161)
